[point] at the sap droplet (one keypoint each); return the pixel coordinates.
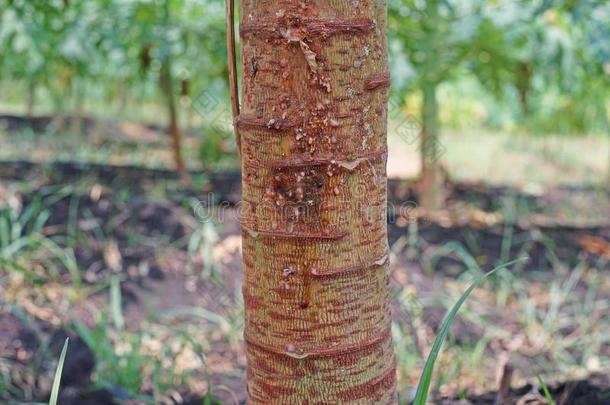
(295, 352)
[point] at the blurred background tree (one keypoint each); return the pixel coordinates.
(542, 68)
(545, 62)
(83, 55)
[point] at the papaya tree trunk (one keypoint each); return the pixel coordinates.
(313, 157)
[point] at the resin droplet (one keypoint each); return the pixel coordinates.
(295, 352)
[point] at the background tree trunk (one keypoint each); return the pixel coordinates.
(608, 178)
(431, 181)
(167, 87)
(313, 129)
(31, 98)
(174, 128)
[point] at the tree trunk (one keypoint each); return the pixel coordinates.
(78, 94)
(167, 86)
(523, 84)
(174, 128)
(123, 97)
(31, 99)
(313, 130)
(608, 179)
(430, 185)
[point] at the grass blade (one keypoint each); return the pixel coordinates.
(426, 378)
(116, 302)
(58, 371)
(545, 390)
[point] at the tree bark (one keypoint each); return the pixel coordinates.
(313, 128)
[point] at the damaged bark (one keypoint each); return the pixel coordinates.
(313, 147)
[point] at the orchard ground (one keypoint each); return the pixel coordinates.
(110, 214)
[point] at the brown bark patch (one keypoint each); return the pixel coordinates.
(377, 81)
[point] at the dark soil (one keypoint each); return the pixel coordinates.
(594, 391)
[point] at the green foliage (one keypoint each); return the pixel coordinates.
(426, 377)
(115, 368)
(545, 62)
(106, 45)
(23, 241)
(217, 147)
(123, 369)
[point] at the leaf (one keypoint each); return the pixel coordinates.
(545, 389)
(58, 371)
(426, 378)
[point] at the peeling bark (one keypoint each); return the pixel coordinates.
(313, 132)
